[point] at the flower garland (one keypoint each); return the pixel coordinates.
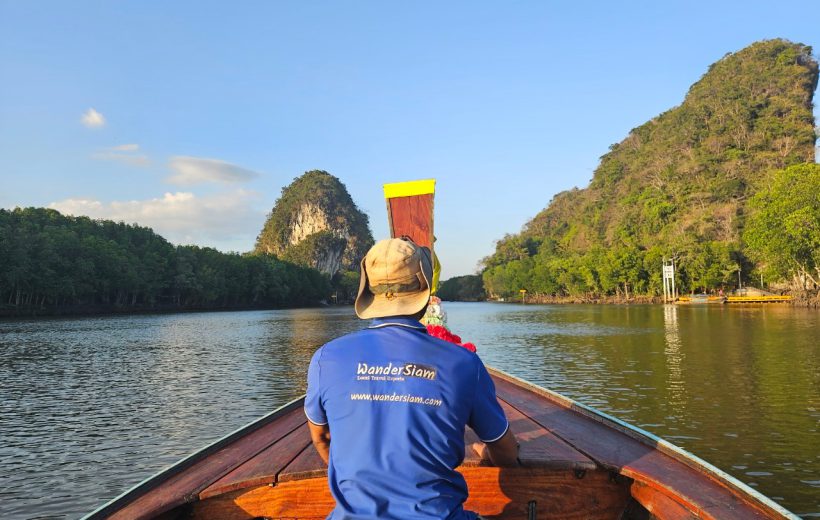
(440, 332)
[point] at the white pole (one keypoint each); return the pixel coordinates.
(663, 275)
(674, 291)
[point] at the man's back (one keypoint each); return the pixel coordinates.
(396, 402)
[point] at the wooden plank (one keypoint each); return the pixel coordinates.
(186, 486)
(412, 216)
(307, 464)
(308, 499)
(539, 447)
(617, 451)
(658, 504)
(494, 492)
(262, 468)
(505, 492)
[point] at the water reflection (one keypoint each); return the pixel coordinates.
(674, 359)
(90, 406)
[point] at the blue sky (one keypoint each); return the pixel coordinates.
(190, 117)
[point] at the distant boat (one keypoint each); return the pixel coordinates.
(577, 463)
(701, 299)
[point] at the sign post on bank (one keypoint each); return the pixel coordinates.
(670, 292)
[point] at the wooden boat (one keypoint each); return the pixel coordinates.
(577, 463)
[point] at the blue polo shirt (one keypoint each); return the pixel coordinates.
(396, 401)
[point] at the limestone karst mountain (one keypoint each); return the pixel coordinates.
(316, 223)
(676, 187)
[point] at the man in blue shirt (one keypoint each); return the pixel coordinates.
(395, 401)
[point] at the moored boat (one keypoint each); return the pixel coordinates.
(701, 299)
(577, 463)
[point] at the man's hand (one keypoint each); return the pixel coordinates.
(502, 453)
(320, 435)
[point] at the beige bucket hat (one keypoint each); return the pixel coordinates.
(395, 280)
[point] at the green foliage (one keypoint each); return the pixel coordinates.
(783, 231)
(469, 288)
(346, 285)
(54, 261)
(322, 199)
(677, 187)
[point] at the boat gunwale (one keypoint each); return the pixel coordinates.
(152, 482)
(651, 440)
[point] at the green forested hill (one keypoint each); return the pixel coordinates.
(55, 263)
(677, 186)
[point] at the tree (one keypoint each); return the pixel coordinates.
(783, 231)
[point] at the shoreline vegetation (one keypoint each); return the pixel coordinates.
(59, 265)
(469, 288)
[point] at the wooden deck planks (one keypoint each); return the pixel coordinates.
(264, 466)
(616, 450)
(540, 448)
(500, 493)
(308, 464)
(186, 486)
(294, 458)
(553, 438)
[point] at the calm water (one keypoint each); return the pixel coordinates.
(91, 406)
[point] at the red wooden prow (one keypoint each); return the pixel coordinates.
(410, 210)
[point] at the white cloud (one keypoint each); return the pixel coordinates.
(182, 217)
(197, 170)
(93, 119)
(132, 159)
(125, 148)
(122, 153)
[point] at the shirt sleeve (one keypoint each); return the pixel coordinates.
(314, 410)
(487, 418)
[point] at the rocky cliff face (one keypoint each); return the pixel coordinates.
(316, 223)
(309, 219)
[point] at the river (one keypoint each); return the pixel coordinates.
(91, 406)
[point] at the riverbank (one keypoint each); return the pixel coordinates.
(594, 300)
(9, 312)
(540, 299)
(806, 300)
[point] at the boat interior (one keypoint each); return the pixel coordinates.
(574, 465)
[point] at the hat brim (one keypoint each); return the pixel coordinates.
(369, 305)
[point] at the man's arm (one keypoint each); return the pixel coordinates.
(502, 453)
(320, 435)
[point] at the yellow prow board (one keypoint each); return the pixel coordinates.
(409, 188)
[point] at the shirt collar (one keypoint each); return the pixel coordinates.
(398, 321)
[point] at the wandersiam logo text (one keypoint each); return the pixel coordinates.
(406, 370)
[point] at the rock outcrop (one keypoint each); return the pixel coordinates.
(316, 223)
